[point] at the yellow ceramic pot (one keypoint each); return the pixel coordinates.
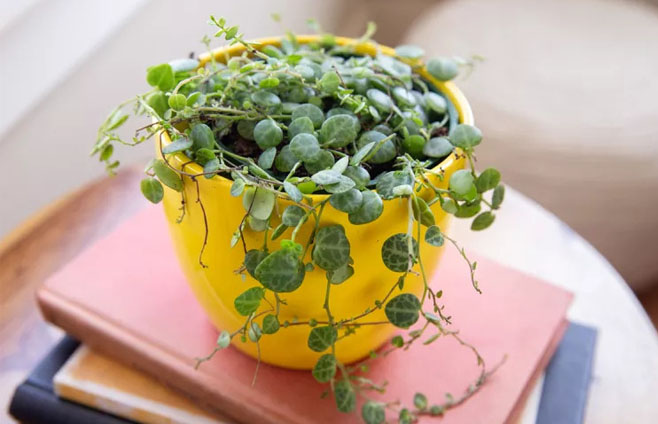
(217, 285)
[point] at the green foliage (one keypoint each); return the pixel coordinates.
(270, 324)
(332, 249)
(325, 369)
(344, 396)
(160, 76)
(167, 176)
(249, 301)
(403, 310)
(152, 189)
(434, 236)
(397, 254)
(321, 338)
(318, 125)
(373, 412)
(281, 271)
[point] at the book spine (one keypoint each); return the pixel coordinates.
(34, 405)
(165, 367)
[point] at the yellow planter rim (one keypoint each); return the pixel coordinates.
(447, 88)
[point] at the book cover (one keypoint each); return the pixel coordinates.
(100, 382)
(142, 313)
(97, 381)
(34, 401)
(568, 377)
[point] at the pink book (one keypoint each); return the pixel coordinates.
(126, 297)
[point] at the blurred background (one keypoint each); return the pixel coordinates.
(567, 95)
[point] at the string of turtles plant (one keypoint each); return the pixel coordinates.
(289, 121)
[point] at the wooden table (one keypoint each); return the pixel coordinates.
(525, 237)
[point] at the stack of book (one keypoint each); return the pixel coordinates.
(127, 301)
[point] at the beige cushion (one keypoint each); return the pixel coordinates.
(568, 101)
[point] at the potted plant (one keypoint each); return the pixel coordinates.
(307, 181)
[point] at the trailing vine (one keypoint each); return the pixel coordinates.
(286, 122)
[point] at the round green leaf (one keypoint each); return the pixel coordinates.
(414, 145)
(178, 145)
(266, 159)
(258, 202)
(267, 133)
(338, 131)
(467, 210)
(465, 136)
(403, 310)
(345, 396)
(305, 147)
(152, 189)
(487, 180)
(325, 369)
(449, 206)
(269, 82)
(158, 102)
(371, 208)
(292, 215)
(321, 338)
(167, 176)
(328, 176)
(388, 181)
(311, 111)
(380, 100)
(332, 249)
(270, 324)
(340, 275)
(344, 184)
(385, 152)
(329, 82)
(248, 302)
(281, 271)
(285, 160)
(403, 97)
(161, 76)
(246, 129)
(359, 175)
(265, 98)
(395, 252)
(302, 125)
(434, 236)
(237, 187)
(461, 182)
(443, 68)
(420, 401)
(251, 260)
(482, 221)
(324, 160)
(202, 137)
(373, 412)
(437, 147)
(177, 101)
(435, 102)
(348, 201)
(224, 339)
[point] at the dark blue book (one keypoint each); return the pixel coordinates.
(35, 402)
(568, 375)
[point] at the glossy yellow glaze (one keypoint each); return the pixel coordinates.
(218, 285)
